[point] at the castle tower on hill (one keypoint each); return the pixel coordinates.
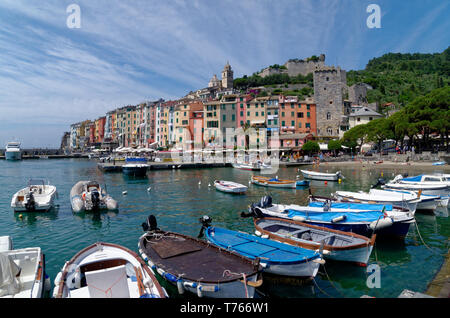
(330, 84)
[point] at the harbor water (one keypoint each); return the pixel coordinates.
(179, 197)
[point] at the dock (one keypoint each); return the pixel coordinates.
(117, 166)
(440, 285)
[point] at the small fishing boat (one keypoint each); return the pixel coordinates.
(273, 182)
(376, 196)
(255, 166)
(37, 196)
(336, 245)
(89, 196)
(314, 175)
(427, 201)
(196, 266)
(332, 202)
(363, 222)
(136, 167)
(105, 270)
(22, 271)
(230, 187)
(276, 258)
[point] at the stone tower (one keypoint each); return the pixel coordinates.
(227, 77)
(329, 84)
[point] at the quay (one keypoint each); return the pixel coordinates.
(117, 166)
(440, 285)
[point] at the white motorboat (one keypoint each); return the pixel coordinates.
(22, 271)
(429, 184)
(427, 201)
(314, 175)
(230, 187)
(375, 196)
(37, 196)
(255, 166)
(12, 151)
(105, 270)
(89, 196)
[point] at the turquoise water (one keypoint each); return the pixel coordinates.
(178, 201)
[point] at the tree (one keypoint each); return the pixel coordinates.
(311, 147)
(334, 145)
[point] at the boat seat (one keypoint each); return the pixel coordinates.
(332, 237)
(108, 283)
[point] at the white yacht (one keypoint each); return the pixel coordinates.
(12, 151)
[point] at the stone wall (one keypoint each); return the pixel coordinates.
(296, 67)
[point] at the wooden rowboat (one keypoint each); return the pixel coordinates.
(336, 245)
(274, 182)
(196, 266)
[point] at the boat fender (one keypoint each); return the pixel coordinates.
(199, 291)
(382, 223)
(180, 286)
(321, 261)
(144, 256)
(338, 219)
(190, 284)
(298, 218)
(265, 236)
(264, 265)
(47, 283)
(324, 252)
(258, 233)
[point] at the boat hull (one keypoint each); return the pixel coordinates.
(274, 184)
(229, 187)
(320, 176)
(225, 272)
(13, 155)
(135, 171)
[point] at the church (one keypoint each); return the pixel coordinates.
(216, 86)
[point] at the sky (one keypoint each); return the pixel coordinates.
(127, 52)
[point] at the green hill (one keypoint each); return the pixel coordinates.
(400, 78)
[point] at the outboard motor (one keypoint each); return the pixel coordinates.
(150, 225)
(380, 181)
(95, 198)
(206, 222)
(266, 202)
(31, 203)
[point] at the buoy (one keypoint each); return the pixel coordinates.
(149, 188)
(199, 183)
(339, 180)
(124, 192)
(326, 182)
(381, 173)
(209, 184)
(20, 215)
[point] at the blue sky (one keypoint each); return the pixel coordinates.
(127, 52)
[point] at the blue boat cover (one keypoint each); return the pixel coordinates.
(135, 159)
(326, 217)
(354, 206)
(414, 179)
(273, 179)
(253, 246)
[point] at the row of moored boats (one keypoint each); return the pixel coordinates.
(289, 240)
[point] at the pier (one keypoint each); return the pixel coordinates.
(440, 285)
